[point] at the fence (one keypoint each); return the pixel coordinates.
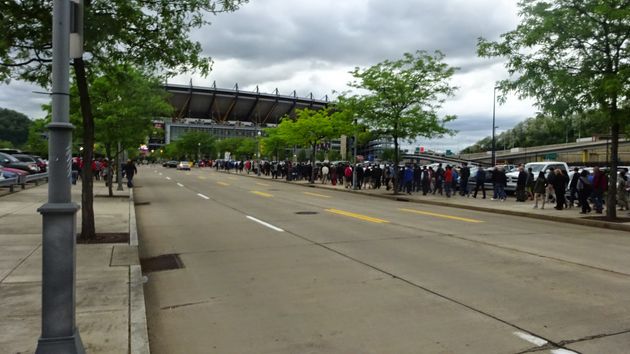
(21, 181)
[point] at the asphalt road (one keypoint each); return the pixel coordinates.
(278, 268)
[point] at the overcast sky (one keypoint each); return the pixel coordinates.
(309, 46)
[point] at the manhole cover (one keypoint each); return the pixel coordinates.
(159, 263)
(306, 212)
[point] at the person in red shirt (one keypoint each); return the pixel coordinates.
(448, 180)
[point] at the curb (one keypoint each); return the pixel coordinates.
(403, 198)
(138, 333)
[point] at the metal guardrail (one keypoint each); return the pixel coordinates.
(11, 183)
(36, 177)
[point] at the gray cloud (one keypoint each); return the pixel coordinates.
(353, 32)
(19, 96)
(309, 46)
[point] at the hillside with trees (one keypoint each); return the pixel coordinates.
(544, 130)
(13, 128)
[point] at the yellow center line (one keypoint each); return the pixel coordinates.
(262, 194)
(263, 184)
(232, 178)
(223, 184)
(357, 216)
(317, 195)
(440, 215)
(202, 177)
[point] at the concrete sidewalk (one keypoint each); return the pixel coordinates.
(509, 207)
(110, 303)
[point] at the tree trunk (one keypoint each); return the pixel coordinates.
(396, 161)
(87, 191)
(611, 200)
(110, 170)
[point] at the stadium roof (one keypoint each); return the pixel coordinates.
(223, 105)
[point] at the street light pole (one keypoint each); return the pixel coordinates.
(258, 150)
(59, 331)
(494, 101)
(354, 169)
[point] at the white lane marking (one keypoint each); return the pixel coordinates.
(179, 184)
(203, 196)
(265, 224)
(562, 351)
(160, 173)
(532, 339)
(168, 178)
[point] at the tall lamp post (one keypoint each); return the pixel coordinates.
(494, 127)
(258, 151)
(59, 331)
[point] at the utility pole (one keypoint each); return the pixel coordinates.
(59, 332)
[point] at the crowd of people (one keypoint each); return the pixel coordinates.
(564, 189)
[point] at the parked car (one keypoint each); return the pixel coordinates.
(183, 165)
(28, 159)
(8, 172)
(171, 164)
(545, 166)
(10, 161)
(41, 163)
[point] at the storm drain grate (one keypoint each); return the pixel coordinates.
(306, 212)
(141, 203)
(162, 262)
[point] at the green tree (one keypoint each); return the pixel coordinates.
(572, 54)
(196, 143)
(14, 126)
(247, 148)
(37, 142)
(311, 128)
(334, 155)
(230, 145)
(125, 101)
(403, 98)
(153, 35)
(273, 145)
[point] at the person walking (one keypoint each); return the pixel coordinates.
(573, 187)
(439, 175)
(426, 180)
(348, 174)
(463, 180)
(325, 171)
(560, 187)
(584, 190)
(408, 179)
(622, 191)
(529, 185)
(130, 170)
(448, 180)
(600, 185)
(521, 183)
(540, 187)
(501, 183)
(480, 180)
